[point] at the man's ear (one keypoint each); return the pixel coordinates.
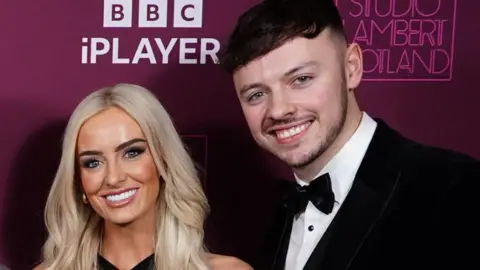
(353, 66)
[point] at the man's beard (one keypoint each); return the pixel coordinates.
(330, 137)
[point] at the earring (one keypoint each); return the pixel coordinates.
(84, 198)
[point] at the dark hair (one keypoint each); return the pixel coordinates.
(268, 25)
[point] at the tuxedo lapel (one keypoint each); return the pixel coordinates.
(371, 191)
(274, 251)
(282, 249)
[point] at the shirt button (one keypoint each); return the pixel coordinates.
(310, 228)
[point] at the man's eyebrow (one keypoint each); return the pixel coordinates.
(300, 67)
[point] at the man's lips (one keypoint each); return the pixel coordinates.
(279, 128)
(292, 131)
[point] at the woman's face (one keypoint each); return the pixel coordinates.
(117, 171)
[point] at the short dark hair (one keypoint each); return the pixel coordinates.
(269, 24)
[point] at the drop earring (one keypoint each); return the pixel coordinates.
(84, 198)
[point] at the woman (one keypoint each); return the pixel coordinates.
(126, 194)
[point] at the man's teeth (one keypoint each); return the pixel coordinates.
(121, 196)
(287, 133)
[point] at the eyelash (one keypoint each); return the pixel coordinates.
(129, 154)
(88, 163)
(308, 79)
(137, 150)
(254, 96)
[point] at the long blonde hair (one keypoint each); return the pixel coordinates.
(75, 228)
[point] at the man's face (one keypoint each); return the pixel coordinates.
(295, 99)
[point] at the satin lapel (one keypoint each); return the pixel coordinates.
(282, 249)
(370, 193)
(275, 249)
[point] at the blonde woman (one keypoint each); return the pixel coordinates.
(126, 194)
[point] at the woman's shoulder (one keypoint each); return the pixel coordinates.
(221, 262)
(40, 267)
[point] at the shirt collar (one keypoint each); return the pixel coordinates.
(344, 165)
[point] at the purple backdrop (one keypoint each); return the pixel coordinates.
(420, 68)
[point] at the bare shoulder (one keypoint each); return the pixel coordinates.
(220, 262)
(40, 267)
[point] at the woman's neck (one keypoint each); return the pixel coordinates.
(127, 245)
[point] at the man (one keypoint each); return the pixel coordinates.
(365, 197)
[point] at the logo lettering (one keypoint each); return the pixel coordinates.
(152, 13)
(117, 13)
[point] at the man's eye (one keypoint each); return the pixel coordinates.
(256, 96)
(302, 79)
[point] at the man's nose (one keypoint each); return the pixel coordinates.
(280, 106)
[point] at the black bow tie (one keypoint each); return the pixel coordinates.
(319, 193)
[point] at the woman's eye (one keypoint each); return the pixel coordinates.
(90, 164)
(132, 153)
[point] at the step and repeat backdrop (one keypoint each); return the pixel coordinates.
(421, 77)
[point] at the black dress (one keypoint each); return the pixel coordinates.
(146, 264)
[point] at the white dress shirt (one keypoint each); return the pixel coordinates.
(309, 227)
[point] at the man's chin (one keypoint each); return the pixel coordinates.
(294, 160)
(299, 164)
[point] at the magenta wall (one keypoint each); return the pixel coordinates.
(421, 78)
